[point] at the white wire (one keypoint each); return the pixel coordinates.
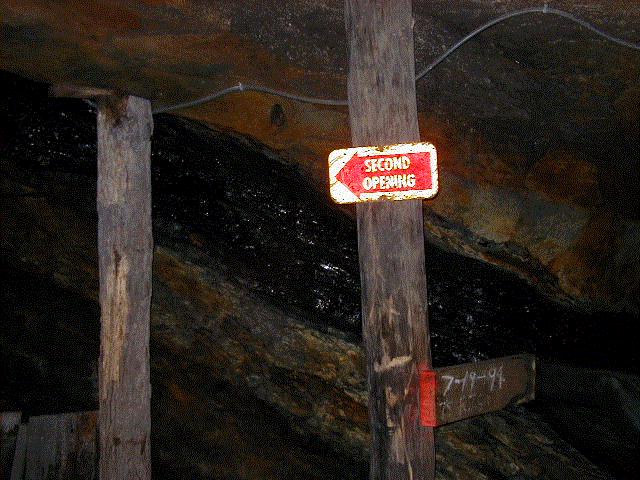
(517, 13)
(335, 102)
(242, 87)
(199, 101)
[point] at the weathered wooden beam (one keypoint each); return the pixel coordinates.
(61, 447)
(19, 457)
(125, 249)
(382, 110)
(9, 425)
(67, 90)
(461, 391)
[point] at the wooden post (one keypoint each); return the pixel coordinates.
(382, 110)
(9, 427)
(125, 249)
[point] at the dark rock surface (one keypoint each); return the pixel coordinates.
(536, 120)
(257, 369)
(599, 410)
(241, 389)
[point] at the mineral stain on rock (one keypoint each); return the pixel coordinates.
(255, 316)
(531, 89)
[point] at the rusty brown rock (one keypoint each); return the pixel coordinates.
(565, 176)
(247, 388)
(535, 104)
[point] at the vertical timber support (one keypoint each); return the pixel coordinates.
(125, 249)
(382, 110)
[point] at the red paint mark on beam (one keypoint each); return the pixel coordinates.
(428, 383)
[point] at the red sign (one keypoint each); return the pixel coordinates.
(393, 172)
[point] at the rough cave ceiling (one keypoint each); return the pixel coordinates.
(537, 120)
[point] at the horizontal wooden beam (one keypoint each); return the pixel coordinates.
(66, 90)
(454, 393)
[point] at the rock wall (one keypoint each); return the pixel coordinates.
(536, 121)
(250, 377)
(241, 388)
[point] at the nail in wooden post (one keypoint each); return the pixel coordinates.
(125, 248)
(382, 110)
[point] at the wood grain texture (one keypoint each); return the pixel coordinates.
(473, 389)
(66, 90)
(382, 110)
(19, 457)
(60, 447)
(125, 249)
(9, 425)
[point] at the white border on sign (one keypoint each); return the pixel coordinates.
(339, 158)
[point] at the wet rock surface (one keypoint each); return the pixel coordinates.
(233, 199)
(256, 360)
(513, 113)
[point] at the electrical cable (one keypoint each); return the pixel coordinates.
(241, 87)
(517, 13)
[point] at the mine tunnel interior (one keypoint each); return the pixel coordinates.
(257, 366)
(280, 237)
